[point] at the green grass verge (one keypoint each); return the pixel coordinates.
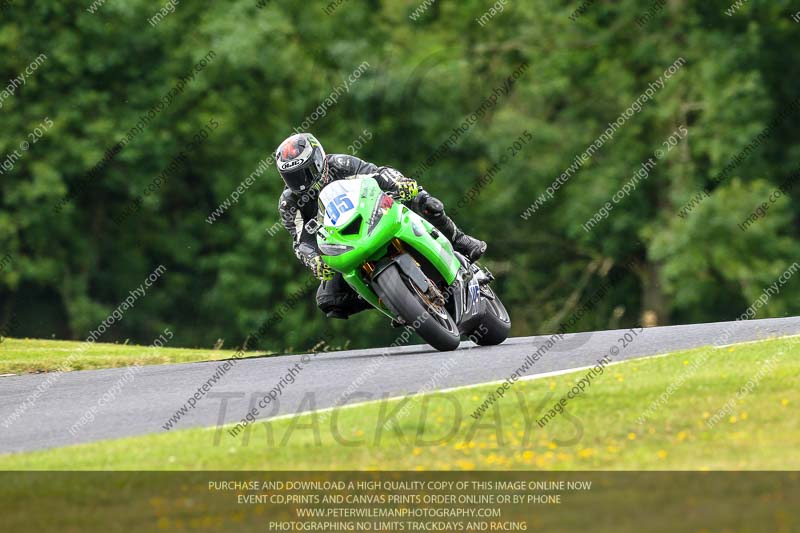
(20, 356)
(600, 431)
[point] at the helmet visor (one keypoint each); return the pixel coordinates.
(302, 179)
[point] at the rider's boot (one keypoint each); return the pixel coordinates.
(470, 247)
(433, 210)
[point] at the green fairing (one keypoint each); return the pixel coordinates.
(399, 221)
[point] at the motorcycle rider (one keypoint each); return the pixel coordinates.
(306, 169)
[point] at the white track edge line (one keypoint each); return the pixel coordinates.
(531, 377)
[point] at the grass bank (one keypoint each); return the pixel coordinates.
(620, 422)
(21, 356)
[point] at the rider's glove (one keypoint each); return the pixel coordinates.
(407, 189)
(321, 271)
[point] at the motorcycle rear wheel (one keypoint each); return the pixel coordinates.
(496, 323)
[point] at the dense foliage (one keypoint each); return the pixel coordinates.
(75, 241)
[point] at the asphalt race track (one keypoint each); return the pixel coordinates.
(145, 403)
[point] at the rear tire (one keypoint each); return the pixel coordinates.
(496, 323)
(401, 297)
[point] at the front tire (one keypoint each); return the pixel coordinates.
(401, 296)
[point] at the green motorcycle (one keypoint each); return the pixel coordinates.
(399, 263)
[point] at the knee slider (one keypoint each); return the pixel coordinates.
(334, 296)
(326, 298)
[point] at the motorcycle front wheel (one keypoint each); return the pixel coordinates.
(432, 322)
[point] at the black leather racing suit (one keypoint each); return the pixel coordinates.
(336, 296)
